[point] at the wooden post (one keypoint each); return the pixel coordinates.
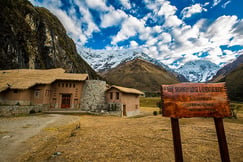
(176, 139)
(224, 153)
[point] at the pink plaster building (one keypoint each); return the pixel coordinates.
(51, 87)
(127, 98)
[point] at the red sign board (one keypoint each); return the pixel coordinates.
(195, 100)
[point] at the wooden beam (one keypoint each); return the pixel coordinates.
(224, 153)
(176, 139)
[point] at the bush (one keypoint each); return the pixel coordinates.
(32, 111)
(155, 113)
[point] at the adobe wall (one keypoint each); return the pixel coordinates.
(66, 87)
(131, 101)
(21, 110)
(15, 97)
(93, 96)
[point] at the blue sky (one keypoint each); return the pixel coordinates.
(173, 31)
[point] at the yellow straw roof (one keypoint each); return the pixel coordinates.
(127, 90)
(26, 78)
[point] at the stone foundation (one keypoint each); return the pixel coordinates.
(21, 110)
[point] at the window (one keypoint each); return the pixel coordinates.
(62, 84)
(111, 95)
(15, 91)
(54, 100)
(54, 92)
(47, 92)
(73, 85)
(66, 85)
(37, 93)
(70, 85)
(117, 95)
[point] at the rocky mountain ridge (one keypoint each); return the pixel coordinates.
(32, 37)
(227, 69)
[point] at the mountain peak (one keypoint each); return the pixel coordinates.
(103, 60)
(198, 70)
(140, 74)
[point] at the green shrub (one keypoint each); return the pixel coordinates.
(155, 113)
(32, 111)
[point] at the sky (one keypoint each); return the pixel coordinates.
(172, 31)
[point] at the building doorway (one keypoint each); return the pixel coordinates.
(124, 111)
(66, 101)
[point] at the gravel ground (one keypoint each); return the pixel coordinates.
(15, 132)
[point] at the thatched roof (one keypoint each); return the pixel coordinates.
(26, 78)
(127, 90)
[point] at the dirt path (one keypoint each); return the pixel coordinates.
(15, 131)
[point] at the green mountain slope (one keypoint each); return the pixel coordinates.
(141, 75)
(234, 84)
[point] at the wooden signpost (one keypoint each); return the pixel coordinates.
(196, 100)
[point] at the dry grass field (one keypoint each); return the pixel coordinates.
(142, 138)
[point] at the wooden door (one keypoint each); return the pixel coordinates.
(124, 111)
(66, 100)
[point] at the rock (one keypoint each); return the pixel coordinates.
(6, 137)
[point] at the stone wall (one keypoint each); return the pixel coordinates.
(93, 96)
(21, 110)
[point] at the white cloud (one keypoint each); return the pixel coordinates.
(151, 41)
(216, 2)
(167, 9)
(86, 17)
(194, 9)
(70, 20)
(126, 4)
(221, 30)
(112, 18)
(133, 44)
(173, 21)
(166, 37)
(129, 28)
(237, 37)
(192, 39)
(69, 24)
(97, 5)
(226, 3)
(48, 3)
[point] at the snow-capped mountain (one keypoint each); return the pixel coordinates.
(102, 60)
(199, 70)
